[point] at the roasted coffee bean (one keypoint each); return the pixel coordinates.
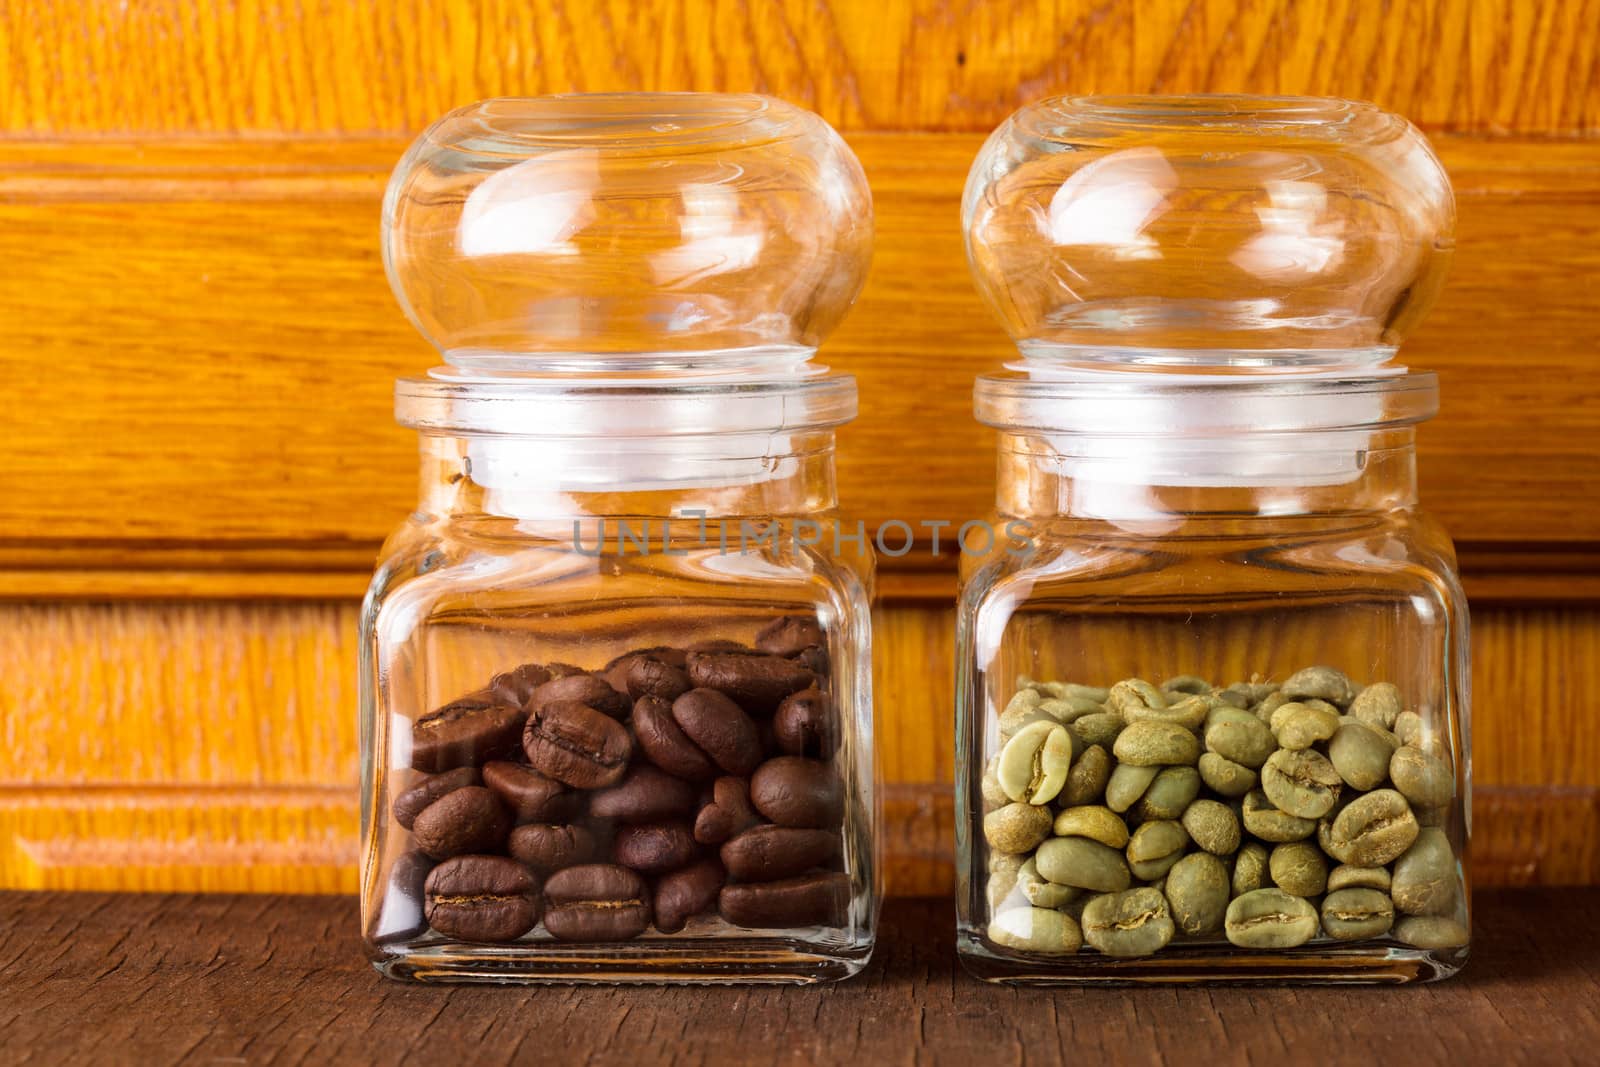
(1154, 847)
(757, 683)
(814, 659)
(547, 847)
(1016, 828)
(577, 745)
(1270, 918)
(596, 902)
(400, 913)
(465, 733)
(806, 725)
(469, 819)
(1147, 744)
(563, 670)
(730, 812)
(720, 729)
(810, 900)
(1301, 783)
(654, 848)
(665, 745)
(652, 678)
(587, 689)
(517, 685)
(1087, 778)
(768, 853)
(645, 794)
(789, 635)
(1136, 922)
(1034, 929)
(1084, 863)
(616, 672)
(408, 805)
(1356, 914)
(1198, 891)
(1094, 822)
(1321, 683)
(1298, 867)
(1425, 876)
(1265, 821)
(482, 898)
(681, 895)
(529, 795)
(799, 792)
(718, 644)
(1372, 830)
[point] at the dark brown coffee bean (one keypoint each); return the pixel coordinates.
(729, 813)
(596, 902)
(583, 689)
(408, 805)
(805, 725)
(645, 794)
(548, 847)
(665, 745)
(529, 795)
(757, 683)
(654, 848)
(517, 685)
(684, 894)
(482, 898)
(792, 791)
(577, 745)
(810, 900)
(563, 670)
(720, 729)
(718, 644)
(400, 916)
(470, 819)
(465, 733)
(616, 672)
(814, 659)
(789, 635)
(652, 678)
(768, 853)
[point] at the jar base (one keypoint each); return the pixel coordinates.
(722, 962)
(1322, 963)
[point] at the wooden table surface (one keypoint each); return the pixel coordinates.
(98, 978)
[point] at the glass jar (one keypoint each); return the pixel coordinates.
(617, 715)
(1213, 689)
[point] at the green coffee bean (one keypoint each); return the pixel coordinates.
(1408, 728)
(1323, 683)
(1425, 780)
(1377, 705)
(1222, 775)
(1300, 726)
(1431, 932)
(1134, 694)
(1299, 868)
(1213, 826)
(1243, 695)
(1268, 705)
(1240, 737)
(1347, 877)
(1373, 829)
(1189, 712)
(1040, 891)
(1148, 744)
(1034, 763)
(1154, 847)
(1101, 729)
(1086, 779)
(1127, 784)
(1004, 870)
(1016, 828)
(1170, 792)
(1265, 821)
(1301, 783)
(1086, 864)
(1030, 929)
(1094, 822)
(993, 796)
(1425, 876)
(1192, 684)
(1250, 869)
(1197, 891)
(1355, 914)
(1361, 753)
(1270, 918)
(1127, 924)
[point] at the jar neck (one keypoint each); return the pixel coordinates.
(1273, 475)
(710, 475)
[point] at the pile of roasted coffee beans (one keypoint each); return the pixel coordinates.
(1128, 818)
(668, 784)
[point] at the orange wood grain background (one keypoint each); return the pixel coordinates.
(199, 349)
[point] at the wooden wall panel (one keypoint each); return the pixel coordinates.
(341, 66)
(212, 745)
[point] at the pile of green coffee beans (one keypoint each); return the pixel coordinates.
(1128, 818)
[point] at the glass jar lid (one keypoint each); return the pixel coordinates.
(643, 233)
(1225, 233)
